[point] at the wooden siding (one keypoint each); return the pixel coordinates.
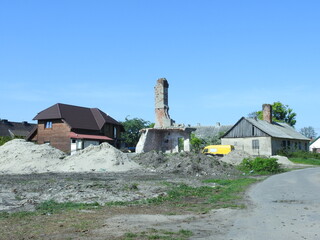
(245, 129)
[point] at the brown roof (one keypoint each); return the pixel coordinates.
(77, 117)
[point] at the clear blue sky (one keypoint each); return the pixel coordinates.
(223, 59)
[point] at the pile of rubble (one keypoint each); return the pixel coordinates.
(185, 163)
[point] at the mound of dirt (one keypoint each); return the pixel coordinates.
(235, 157)
(185, 163)
(283, 160)
(21, 157)
(101, 158)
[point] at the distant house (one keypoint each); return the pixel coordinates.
(264, 137)
(209, 132)
(71, 128)
(315, 145)
(15, 129)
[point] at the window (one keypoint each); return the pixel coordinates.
(284, 144)
(252, 130)
(299, 145)
(255, 144)
(114, 132)
(48, 124)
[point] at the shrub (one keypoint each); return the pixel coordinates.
(260, 165)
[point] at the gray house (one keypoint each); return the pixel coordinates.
(264, 137)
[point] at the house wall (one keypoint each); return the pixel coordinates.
(246, 145)
(165, 140)
(57, 136)
(315, 146)
(267, 146)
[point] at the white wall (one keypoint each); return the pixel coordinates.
(245, 144)
(315, 144)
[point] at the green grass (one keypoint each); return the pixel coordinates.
(309, 161)
(229, 191)
(159, 234)
(223, 194)
(51, 207)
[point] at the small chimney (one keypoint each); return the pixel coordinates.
(267, 112)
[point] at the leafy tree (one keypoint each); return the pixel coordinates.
(309, 132)
(132, 129)
(280, 113)
(196, 143)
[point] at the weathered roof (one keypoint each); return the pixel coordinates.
(77, 117)
(274, 129)
(11, 129)
(277, 129)
(211, 131)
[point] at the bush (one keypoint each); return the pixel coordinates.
(260, 165)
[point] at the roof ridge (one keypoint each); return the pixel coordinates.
(59, 109)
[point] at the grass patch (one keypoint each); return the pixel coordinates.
(203, 198)
(309, 161)
(52, 206)
(158, 234)
(228, 191)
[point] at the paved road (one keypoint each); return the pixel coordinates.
(286, 206)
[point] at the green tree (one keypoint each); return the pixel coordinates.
(196, 143)
(132, 129)
(280, 113)
(309, 132)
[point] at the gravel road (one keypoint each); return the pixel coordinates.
(285, 206)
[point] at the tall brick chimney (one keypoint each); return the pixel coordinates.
(163, 119)
(267, 112)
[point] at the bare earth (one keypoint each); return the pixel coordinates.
(31, 174)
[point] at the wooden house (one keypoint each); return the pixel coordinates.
(71, 128)
(264, 137)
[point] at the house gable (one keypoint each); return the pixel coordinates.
(243, 128)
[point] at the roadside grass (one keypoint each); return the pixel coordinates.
(303, 157)
(222, 193)
(308, 161)
(158, 234)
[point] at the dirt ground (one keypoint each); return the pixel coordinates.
(23, 192)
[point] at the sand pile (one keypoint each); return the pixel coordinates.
(21, 157)
(283, 160)
(101, 158)
(235, 157)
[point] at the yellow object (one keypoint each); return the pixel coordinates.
(217, 149)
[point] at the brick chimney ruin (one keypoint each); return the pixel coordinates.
(161, 104)
(267, 112)
(166, 136)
